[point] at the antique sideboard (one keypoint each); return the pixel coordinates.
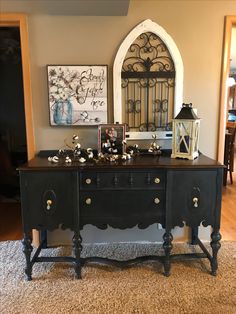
(141, 191)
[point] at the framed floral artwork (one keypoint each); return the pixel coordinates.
(110, 138)
(77, 94)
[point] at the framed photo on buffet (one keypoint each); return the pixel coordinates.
(110, 138)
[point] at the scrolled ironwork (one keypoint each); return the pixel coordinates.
(143, 82)
(147, 127)
(160, 105)
(134, 106)
(148, 53)
(148, 81)
(124, 83)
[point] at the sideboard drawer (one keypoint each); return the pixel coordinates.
(122, 180)
(122, 207)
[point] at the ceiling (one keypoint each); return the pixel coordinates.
(67, 7)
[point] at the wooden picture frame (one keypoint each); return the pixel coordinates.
(110, 138)
(77, 94)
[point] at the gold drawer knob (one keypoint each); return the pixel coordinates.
(88, 201)
(195, 202)
(49, 203)
(157, 180)
(156, 200)
(88, 181)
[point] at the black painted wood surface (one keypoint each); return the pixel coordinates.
(141, 191)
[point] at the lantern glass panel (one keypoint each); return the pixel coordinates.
(183, 136)
(196, 137)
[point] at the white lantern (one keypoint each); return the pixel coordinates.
(186, 127)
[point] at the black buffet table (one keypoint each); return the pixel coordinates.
(141, 191)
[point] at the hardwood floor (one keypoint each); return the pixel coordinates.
(10, 221)
(11, 227)
(228, 211)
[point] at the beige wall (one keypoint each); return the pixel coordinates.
(197, 29)
(195, 26)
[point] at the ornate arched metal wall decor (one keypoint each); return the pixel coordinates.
(148, 80)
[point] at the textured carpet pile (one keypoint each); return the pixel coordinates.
(106, 289)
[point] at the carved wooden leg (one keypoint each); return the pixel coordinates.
(167, 246)
(27, 249)
(215, 245)
(77, 240)
(194, 235)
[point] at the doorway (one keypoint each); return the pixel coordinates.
(17, 138)
(228, 216)
(230, 21)
(13, 148)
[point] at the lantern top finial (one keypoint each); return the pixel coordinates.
(187, 112)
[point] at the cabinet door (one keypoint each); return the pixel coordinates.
(49, 199)
(192, 197)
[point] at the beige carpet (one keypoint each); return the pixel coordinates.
(105, 289)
